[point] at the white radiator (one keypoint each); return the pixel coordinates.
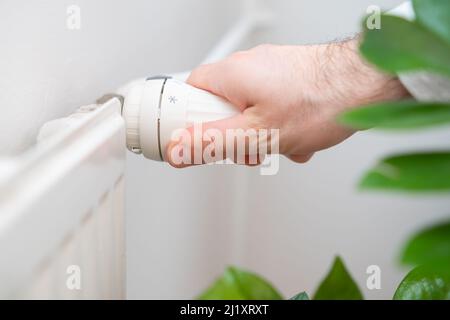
(62, 230)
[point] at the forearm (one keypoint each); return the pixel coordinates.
(344, 77)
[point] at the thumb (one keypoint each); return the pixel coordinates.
(213, 141)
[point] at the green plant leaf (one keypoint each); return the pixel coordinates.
(237, 284)
(435, 15)
(407, 114)
(300, 296)
(431, 247)
(417, 172)
(423, 283)
(338, 284)
(402, 45)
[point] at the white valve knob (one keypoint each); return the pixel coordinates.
(154, 108)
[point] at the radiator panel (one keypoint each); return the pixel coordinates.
(63, 207)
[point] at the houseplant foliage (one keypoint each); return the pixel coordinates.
(424, 283)
(413, 46)
(237, 284)
(338, 284)
(408, 46)
(400, 46)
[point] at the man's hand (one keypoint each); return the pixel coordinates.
(297, 89)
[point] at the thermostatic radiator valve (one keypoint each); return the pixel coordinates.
(153, 109)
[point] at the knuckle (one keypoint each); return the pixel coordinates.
(198, 72)
(264, 47)
(237, 59)
(239, 54)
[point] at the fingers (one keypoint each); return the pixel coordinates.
(209, 143)
(230, 138)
